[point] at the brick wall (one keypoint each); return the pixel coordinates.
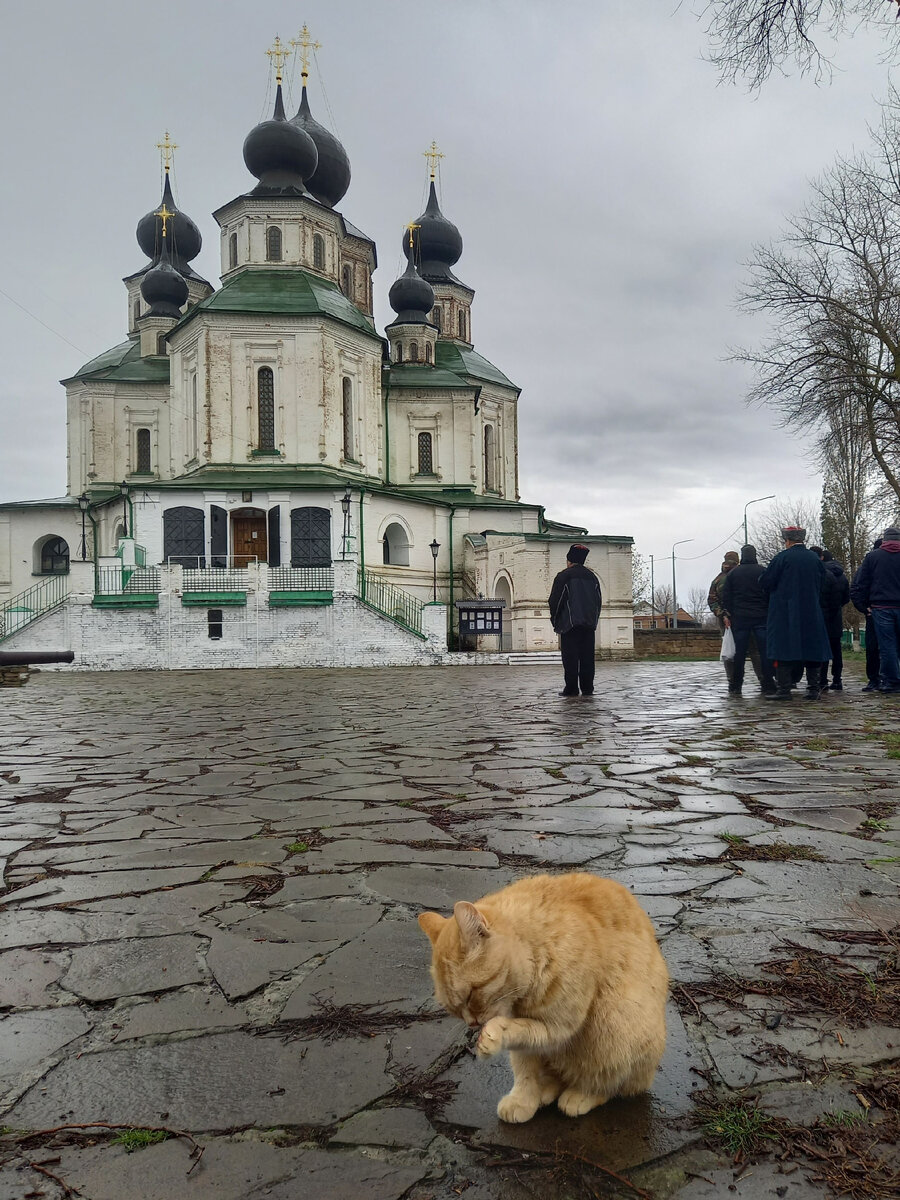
(677, 643)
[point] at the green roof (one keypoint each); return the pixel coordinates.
(123, 364)
(291, 293)
(463, 360)
(421, 375)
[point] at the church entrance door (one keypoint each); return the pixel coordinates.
(249, 540)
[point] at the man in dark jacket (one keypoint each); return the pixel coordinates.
(873, 658)
(575, 603)
(746, 607)
(795, 627)
(835, 596)
(876, 590)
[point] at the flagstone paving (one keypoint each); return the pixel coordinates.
(208, 922)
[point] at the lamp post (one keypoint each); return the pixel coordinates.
(84, 504)
(747, 505)
(345, 508)
(674, 594)
(652, 602)
(434, 547)
(123, 488)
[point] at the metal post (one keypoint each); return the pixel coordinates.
(434, 548)
(747, 505)
(674, 594)
(652, 602)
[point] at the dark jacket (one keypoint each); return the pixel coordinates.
(835, 596)
(575, 599)
(795, 629)
(742, 598)
(877, 582)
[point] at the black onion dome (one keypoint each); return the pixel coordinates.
(411, 297)
(181, 232)
(163, 287)
(331, 178)
(280, 154)
(437, 242)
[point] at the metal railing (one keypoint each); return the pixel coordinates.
(392, 602)
(127, 581)
(40, 598)
(301, 579)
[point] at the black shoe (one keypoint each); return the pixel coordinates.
(813, 694)
(870, 687)
(565, 693)
(589, 693)
(777, 695)
(836, 685)
(734, 691)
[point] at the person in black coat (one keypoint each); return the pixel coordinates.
(795, 628)
(575, 603)
(746, 608)
(876, 590)
(836, 595)
(873, 655)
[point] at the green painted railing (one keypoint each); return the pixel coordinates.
(392, 602)
(117, 581)
(40, 598)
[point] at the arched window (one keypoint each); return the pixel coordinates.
(265, 403)
(490, 482)
(310, 537)
(428, 352)
(161, 344)
(399, 352)
(273, 244)
(347, 418)
(436, 318)
(194, 427)
(318, 252)
(426, 461)
(54, 557)
(347, 280)
(136, 311)
(413, 351)
(395, 546)
(142, 457)
(461, 323)
(232, 251)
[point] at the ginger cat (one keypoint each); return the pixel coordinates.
(564, 972)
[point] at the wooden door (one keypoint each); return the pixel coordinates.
(248, 540)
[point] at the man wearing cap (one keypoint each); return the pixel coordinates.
(717, 608)
(575, 603)
(876, 591)
(796, 636)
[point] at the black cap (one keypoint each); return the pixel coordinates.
(577, 553)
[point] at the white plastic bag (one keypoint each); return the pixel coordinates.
(727, 644)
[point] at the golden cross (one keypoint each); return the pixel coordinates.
(278, 54)
(164, 215)
(410, 227)
(434, 156)
(167, 149)
(305, 42)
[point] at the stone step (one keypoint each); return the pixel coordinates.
(534, 658)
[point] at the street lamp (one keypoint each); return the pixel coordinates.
(747, 505)
(84, 504)
(674, 594)
(434, 547)
(652, 602)
(123, 488)
(345, 508)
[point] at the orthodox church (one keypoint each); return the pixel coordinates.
(256, 476)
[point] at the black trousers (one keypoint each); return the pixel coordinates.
(577, 649)
(789, 673)
(837, 658)
(873, 654)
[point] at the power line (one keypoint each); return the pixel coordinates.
(50, 328)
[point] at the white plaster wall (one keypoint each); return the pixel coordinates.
(103, 419)
(20, 529)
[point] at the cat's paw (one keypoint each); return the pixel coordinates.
(574, 1103)
(490, 1040)
(515, 1108)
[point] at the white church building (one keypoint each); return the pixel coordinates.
(258, 477)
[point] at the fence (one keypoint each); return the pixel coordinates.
(301, 579)
(392, 602)
(40, 598)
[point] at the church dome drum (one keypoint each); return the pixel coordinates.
(164, 288)
(331, 178)
(411, 297)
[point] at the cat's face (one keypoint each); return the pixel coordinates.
(478, 973)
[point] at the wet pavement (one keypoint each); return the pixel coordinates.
(209, 923)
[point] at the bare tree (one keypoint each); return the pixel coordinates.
(640, 580)
(849, 508)
(765, 530)
(662, 600)
(832, 287)
(696, 604)
(751, 38)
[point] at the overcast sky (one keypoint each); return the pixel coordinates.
(608, 189)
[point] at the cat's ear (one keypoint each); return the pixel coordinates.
(472, 925)
(432, 923)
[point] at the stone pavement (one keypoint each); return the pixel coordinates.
(210, 921)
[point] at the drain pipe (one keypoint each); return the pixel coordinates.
(362, 546)
(450, 606)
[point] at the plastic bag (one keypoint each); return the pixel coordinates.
(727, 644)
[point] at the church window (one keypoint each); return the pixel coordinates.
(400, 352)
(142, 457)
(265, 399)
(232, 251)
(310, 537)
(184, 536)
(194, 425)
(55, 557)
(347, 281)
(273, 244)
(413, 351)
(136, 311)
(426, 462)
(395, 546)
(436, 318)
(161, 344)
(318, 252)
(461, 323)
(428, 352)
(347, 418)
(490, 473)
